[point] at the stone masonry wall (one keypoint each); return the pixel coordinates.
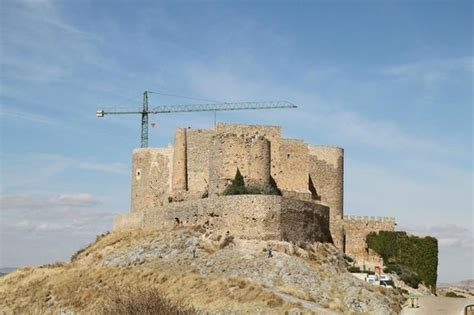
(229, 152)
(326, 171)
(180, 175)
(271, 133)
(245, 216)
(198, 148)
(356, 229)
(293, 167)
(151, 177)
(302, 220)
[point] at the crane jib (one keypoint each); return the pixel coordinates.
(167, 109)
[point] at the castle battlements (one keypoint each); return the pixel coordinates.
(368, 218)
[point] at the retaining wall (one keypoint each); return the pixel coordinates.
(245, 216)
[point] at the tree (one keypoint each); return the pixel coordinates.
(238, 185)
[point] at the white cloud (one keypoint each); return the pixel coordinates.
(315, 115)
(448, 235)
(6, 113)
(55, 47)
(14, 202)
(430, 72)
(115, 168)
(413, 192)
(37, 4)
(76, 200)
(42, 167)
(72, 213)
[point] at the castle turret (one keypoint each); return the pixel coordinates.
(327, 175)
(151, 177)
(259, 163)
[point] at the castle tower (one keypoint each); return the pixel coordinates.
(151, 177)
(227, 154)
(327, 175)
(180, 182)
(259, 163)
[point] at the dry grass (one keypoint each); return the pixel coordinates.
(141, 301)
(85, 287)
(86, 290)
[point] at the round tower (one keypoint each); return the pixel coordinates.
(259, 163)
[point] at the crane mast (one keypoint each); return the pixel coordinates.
(166, 109)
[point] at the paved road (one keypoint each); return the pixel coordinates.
(439, 305)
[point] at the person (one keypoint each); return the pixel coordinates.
(194, 247)
(269, 250)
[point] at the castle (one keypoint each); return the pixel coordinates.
(184, 184)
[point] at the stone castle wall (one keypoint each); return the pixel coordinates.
(271, 133)
(326, 172)
(180, 175)
(293, 166)
(245, 216)
(198, 151)
(229, 152)
(151, 177)
(356, 230)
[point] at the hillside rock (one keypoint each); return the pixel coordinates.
(228, 275)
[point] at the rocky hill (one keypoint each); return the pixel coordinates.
(227, 275)
(463, 288)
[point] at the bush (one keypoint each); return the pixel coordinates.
(417, 257)
(348, 258)
(302, 245)
(353, 269)
(392, 268)
(226, 241)
(410, 280)
(237, 187)
(141, 301)
(405, 273)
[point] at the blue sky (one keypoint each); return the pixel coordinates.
(390, 81)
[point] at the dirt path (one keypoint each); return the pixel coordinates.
(314, 307)
(434, 305)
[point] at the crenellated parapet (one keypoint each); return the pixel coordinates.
(360, 218)
(356, 229)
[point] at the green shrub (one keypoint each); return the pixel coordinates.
(405, 273)
(348, 258)
(410, 280)
(392, 268)
(237, 187)
(411, 257)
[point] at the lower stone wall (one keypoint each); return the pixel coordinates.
(356, 229)
(245, 216)
(304, 221)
